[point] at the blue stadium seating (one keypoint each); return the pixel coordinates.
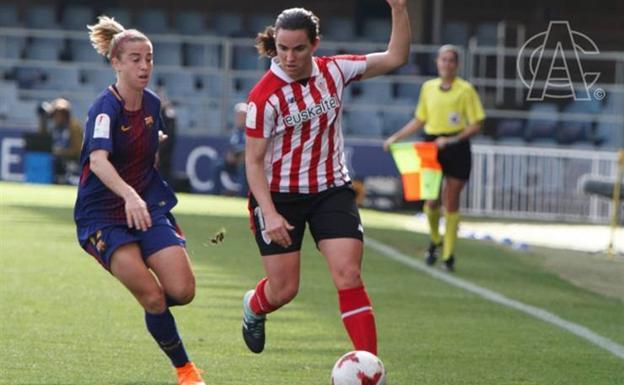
(572, 131)
(99, 79)
(487, 34)
(202, 55)
(77, 17)
(82, 51)
(338, 29)
(152, 21)
(228, 24)
(393, 121)
(377, 30)
(246, 58)
(41, 16)
(121, 15)
(408, 91)
(375, 91)
(9, 16)
(189, 22)
(61, 78)
(258, 22)
(365, 124)
(42, 48)
(12, 47)
(539, 127)
(167, 53)
(210, 85)
(455, 32)
(179, 84)
(510, 128)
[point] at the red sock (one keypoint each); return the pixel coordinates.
(358, 318)
(258, 302)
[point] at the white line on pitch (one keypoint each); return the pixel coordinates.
(581, 331)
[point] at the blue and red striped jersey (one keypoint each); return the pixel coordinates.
(131, 139)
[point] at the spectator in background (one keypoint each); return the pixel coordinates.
(230, 173)
(66, 133)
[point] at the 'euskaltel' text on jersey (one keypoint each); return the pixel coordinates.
(302, 121)
(131, 139)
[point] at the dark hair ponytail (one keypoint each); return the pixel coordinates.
(290, 19)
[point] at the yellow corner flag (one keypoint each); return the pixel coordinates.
(420, 171)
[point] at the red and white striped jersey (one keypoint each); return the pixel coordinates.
(302, 121)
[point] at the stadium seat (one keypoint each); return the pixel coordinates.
(41, 17)
(228, 24)
(120, 14)
(377, 30)
(365, 124)
(82, 51)
(244, 85)
(61, 78)
(98, 79)
(246, 58)
(202, 55)
(190, 22)
(408, 91)
(8, 95)
(167, 53)
(152, 21)
(258, 22)
(12, 47)
(577, 130)
(338, 29)
(455, 32)
(510, 128)
(210, 85)
(487, 34)
(539, 127)
(378, 91)
(76, 17)
(28, 77)
(8, 16)
(393, 121)
(179, 84)
(42, 48)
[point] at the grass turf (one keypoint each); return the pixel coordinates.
(67, 321)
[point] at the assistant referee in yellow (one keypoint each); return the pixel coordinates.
(450, 110)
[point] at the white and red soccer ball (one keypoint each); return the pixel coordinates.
(358, 368)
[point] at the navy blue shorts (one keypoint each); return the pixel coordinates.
(164, 233)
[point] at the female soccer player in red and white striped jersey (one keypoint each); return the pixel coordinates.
(296, 168)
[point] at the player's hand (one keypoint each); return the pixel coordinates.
(137, 215)
(277, 227)
(387, 143)
(162, 136)
(441, 142)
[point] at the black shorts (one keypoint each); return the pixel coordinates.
(331, 214)
(455, 159)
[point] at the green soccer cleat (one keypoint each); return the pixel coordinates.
(253, 326)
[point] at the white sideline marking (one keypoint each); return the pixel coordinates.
(580, 331)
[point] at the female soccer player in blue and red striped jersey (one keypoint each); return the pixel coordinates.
(123, 207)
(296, 168)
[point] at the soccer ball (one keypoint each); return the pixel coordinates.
(358, 368)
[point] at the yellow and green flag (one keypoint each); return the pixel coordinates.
(420, 171)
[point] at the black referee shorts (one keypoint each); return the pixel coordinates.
(455, 159)
(330, 214)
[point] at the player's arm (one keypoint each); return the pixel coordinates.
(410, 128)
(276, 226)
(398, 48)
(137, 214)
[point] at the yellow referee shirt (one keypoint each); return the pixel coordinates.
(448, 112)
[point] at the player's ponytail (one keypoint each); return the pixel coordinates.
(265, 42)
(290, 19)
(107, 36)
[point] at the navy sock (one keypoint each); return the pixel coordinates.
(163, 328)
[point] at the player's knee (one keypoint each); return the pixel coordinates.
(154, 302)
(184, 295)
(349, 276)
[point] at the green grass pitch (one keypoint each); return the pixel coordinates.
(64, 320)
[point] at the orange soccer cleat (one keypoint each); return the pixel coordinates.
(189, 374)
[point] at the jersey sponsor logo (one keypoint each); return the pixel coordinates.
(252, 110)
(324, 106)
(102, 127)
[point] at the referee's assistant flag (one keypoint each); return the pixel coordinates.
(420, 171)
